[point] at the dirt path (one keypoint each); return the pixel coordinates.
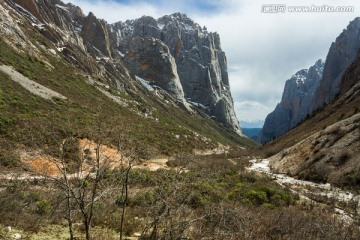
(30, 85)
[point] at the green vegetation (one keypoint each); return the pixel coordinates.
(200, 197)
(201, 202)
(9, 158)
(43, 207)
(35, 122)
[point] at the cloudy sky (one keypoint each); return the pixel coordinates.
(263, 49)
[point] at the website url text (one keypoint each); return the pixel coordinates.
(282, 8)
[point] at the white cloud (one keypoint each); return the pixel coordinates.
(263, 49)
(113, 11)
(250, 110)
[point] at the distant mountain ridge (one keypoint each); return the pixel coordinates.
(296, 102)
(325, 147)
(341, 55)
(252, 133)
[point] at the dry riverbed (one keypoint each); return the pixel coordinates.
(346, 204)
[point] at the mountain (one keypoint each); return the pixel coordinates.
(162, 52)
(252, 123)
(325, 148)
(252, 133)
(296, 102)
(63, 71)
(197, 65)
(341, 54)
(288, 113)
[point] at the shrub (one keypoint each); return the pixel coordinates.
(142, 199)
(195, 200)
(256, 197)
(34, 197)
(261, 195)
(43, 207)
(71, 154)
(9, 159)
(119, 201)
(352, 178)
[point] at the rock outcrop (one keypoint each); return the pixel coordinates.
(341, 54)
(201, 64)
(150, 59)
(95, 35)
(296, 102)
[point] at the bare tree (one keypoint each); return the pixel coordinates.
(125, 198)
(80, 179)
(170, 212)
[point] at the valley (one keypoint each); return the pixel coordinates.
(128, 130)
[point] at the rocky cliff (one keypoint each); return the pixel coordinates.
(326, 148)
(288, 113)
(341, 54)
(200, 63)
(172, 54)
(296, 102)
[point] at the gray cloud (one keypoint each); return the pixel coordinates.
(263, 49)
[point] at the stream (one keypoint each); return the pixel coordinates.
(347, 205)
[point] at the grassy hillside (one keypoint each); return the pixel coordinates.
(35, 122)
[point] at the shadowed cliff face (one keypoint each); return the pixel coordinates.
(341, 54)
(200, 62)
(301, 100)
(326, 147)
(296, 103)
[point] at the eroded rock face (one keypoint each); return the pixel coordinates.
(31, 6)
(172, 52)
(341, 54)
(150, 59)
(201, 64)
(95, 35)
(296, 102)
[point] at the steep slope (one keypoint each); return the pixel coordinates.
(53, 48)
(201, 64)
(296, 102)
(141, 48)
(341, 54)
(325, 147)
